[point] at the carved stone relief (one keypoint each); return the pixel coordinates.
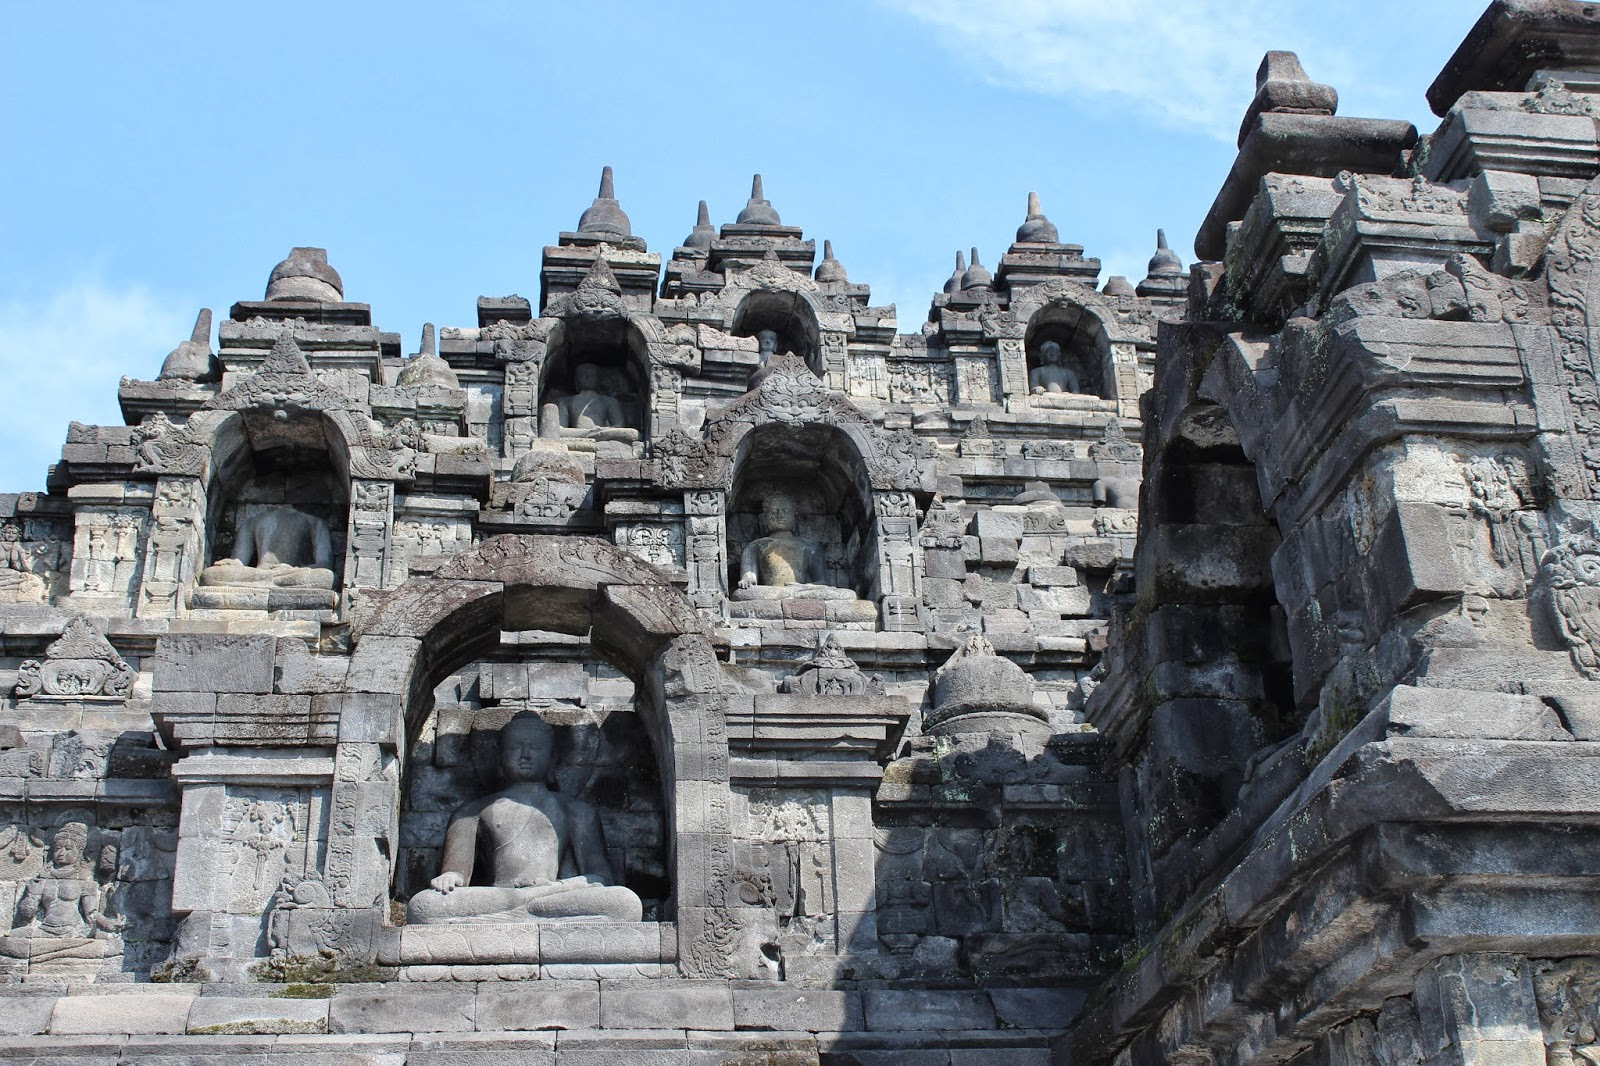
(79, 664)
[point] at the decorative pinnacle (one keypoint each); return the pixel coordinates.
(830, 269)
(1036, 228)
(429, 345)
(202, 328)
(605, 215)
(758, 212)
(1161, 241)
(704, 232)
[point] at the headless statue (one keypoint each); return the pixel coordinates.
(588, 412)
(276, 546)
(1050, 375)
(783, 564)
(545, 853)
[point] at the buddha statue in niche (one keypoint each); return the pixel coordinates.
(766, 350)
(1050, 376)
(588, 412)
(276, 546)
(783, 564)
(544, 853)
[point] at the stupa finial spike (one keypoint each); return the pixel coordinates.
(607, 184)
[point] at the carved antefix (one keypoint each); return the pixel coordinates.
(82, 663)
(831, 672)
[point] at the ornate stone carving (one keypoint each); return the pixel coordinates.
(831, 672)
(81, 663)
(547, 484)
(18, 582)
(166, 448)
(1571, 570)
(61, 914)
(284, 381)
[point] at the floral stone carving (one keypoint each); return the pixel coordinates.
(82, 663)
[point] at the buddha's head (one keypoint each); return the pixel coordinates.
(768, 340)
(1050, 353)
(586, 377)
(525, 744)
(778, 513)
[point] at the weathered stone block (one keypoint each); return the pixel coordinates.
(890, 1009)
(239, 1015)
(541, 1005)
(214, 664)
(811, 1010)
(666, 1005)
(392, 1008)
(121, 1014)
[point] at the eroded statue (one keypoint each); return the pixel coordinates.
(588, 412)
(545, 853)
(1050, 376)
(18, 582)
(276, 546)
(783, 564)
(59, 915)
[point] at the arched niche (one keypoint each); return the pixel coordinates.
(601, 753)
(631, 616)
(275, 461)
(618, 351)
(1085, 347)
(789, 314)
(820, 467)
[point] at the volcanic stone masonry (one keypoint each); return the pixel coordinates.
(693, 668)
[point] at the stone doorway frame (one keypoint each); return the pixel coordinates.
(429, 627)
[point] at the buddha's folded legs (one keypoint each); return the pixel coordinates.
(576, 897)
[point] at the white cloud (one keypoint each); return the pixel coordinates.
(1186, 63)
(61, 358)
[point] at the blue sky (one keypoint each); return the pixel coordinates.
(163, 157)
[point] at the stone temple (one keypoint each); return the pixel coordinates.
(695, 665)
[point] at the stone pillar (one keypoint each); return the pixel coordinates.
(174, 549)
(520, 408)
(832, 347)
(1123, 379)
(975, 379)
(1479, 1010)
(250, 819)
(706, 550)
(899, 582)
(855, 858)
(371, 524)
(1013, 363)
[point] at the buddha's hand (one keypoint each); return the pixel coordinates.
(1038, 390)
(745, 581)
(448, 881)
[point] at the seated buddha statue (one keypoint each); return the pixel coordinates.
(276, 546)
(783, 564)
(1050, 376)
(588, 412)
(544, 853)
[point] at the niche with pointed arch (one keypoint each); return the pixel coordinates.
(594, 384)
(1084, 367)
(276, 511)
(601, 755)
(820, 469)
(786, 314)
